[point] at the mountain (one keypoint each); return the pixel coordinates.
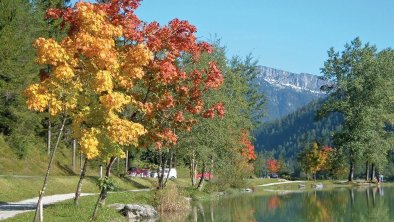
(287, 136)
(286, 91)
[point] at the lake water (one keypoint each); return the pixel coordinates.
(342, 204)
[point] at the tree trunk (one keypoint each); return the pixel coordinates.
(103, 192)
(80, 161)
(41, 194)
(126, 165)
(169, 167)
(373, 171)
(351, 192)
(201, 182)
(74, 151)
(193, 167)
(49, 136)
(81, 178)
(367, 171)
(163, 165)
(351, 171)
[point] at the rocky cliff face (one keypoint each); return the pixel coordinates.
(283, 79)
(286, 91)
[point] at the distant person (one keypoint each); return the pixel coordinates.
(381, 177)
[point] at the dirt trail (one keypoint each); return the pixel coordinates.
(283, 182)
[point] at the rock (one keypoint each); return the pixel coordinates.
(136, 211)
(317, 186)
(139, 211)
(247, 190)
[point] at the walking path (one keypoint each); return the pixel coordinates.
(283, 182)
(11, 209)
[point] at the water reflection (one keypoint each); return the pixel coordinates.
(361, 204)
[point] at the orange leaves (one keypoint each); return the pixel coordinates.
(166, 101)
(179, 117)
(133, 60)
(37, 98)
(85, 69)
(63, 72)
(219, 107)
(50, 52)
(169, 136)
(247, 147)
(273, 165)
(114, 101)
(94, 78)
(168, 72)
(124, 132)
(214, 77)
(138, 55)
(102, 82)
(315, 159)
(93, 20)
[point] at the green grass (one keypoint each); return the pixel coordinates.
(67, 211)
(19, 188)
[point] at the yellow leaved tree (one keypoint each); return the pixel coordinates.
(89, 82)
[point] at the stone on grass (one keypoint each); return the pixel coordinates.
(136, 211)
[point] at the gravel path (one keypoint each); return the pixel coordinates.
(276, 183)
(11, 209)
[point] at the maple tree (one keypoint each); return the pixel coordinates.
(315, 159)
(273, 166)
(119, 78)
(248, 148)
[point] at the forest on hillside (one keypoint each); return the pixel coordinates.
(287, 136)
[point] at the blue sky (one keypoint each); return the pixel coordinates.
(292, 35)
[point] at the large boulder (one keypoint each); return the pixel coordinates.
(136, 211)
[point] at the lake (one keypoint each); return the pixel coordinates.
(341, 204)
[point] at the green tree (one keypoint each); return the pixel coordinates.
(359, 91)
(215, 144)
(18, 28)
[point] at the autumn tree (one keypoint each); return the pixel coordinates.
(87, 83)
(273, 166)
(314, 159)
(113, 74)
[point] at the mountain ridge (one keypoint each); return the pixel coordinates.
(298, 81)
(287, 91)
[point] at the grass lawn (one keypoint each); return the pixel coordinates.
(67, 211)
(20, 188)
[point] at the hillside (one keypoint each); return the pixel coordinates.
(288, 135)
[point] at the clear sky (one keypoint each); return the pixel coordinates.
(292, 35)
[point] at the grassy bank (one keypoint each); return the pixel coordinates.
(67, 211)
(20, 188)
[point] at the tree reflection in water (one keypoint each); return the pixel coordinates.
(362, 204)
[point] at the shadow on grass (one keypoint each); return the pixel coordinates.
(66, 169)
(14, 207)
(134, 183)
